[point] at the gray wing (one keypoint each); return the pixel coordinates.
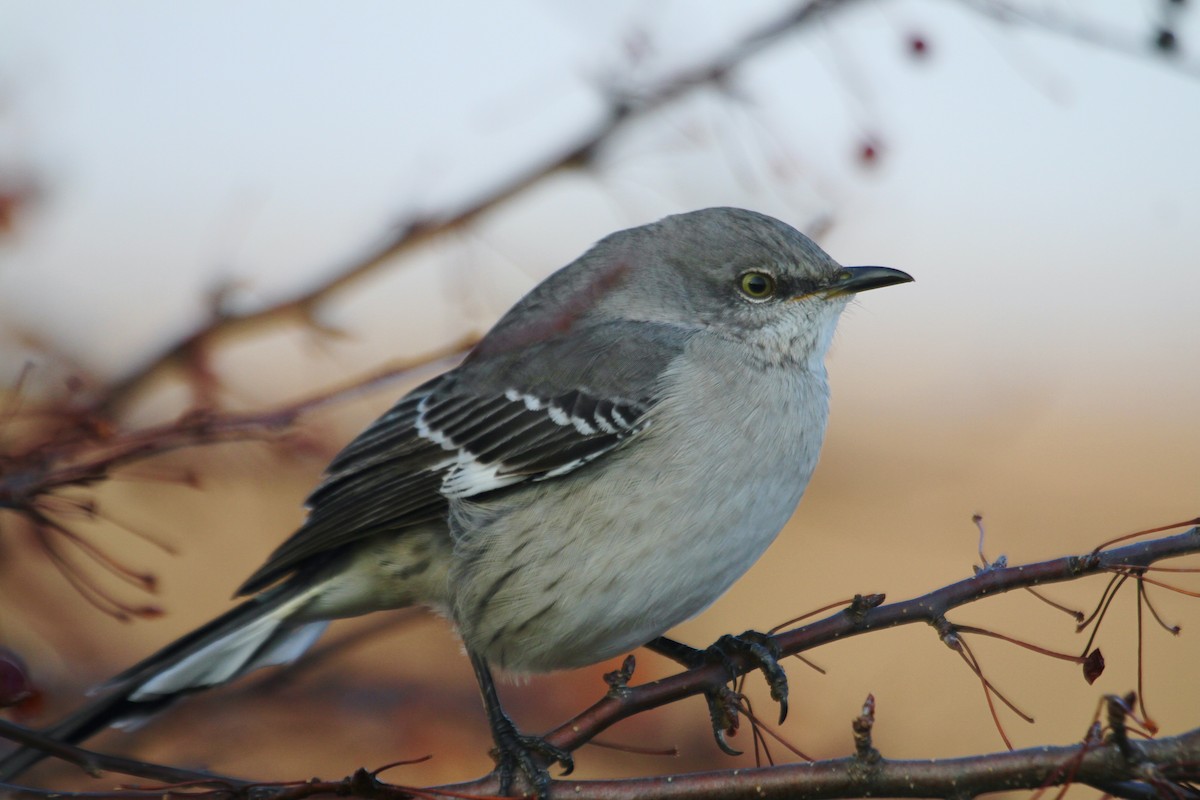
(477, 430)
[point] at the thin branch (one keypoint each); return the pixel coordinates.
(95, 763)
(928, 608)
(81, 463)
(1103, 766)
(78, 457)
(1021, 643)
(1099, 766)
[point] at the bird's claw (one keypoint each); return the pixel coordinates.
(723, 713)
(764, 651)
(760, 648)
(723, 704)
(516, 751)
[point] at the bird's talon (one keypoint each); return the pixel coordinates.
(723, 744)
(764, 651)
(723, 713)
(520, 752)
(761, 648)
(561, 757)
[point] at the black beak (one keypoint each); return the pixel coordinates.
(851, 280)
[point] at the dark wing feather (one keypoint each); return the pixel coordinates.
(508, 415)
(525, 437)
(440, 443)
(387, 478)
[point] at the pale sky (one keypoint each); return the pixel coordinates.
(1027, 178)
(1043, 191)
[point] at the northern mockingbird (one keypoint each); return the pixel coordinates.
(617, 451)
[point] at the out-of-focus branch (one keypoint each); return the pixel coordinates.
(82, 451)
(97, 763)
(56, 464)
(577, 151)
(1042, 16)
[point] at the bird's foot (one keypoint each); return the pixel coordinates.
(763, 650)
(518, 752)
(760, 648)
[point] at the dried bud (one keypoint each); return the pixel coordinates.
(1093, 666)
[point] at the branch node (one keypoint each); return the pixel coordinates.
(1118, 709)
(618, 679)
(947, 632)
(362, 783)
(862, 604)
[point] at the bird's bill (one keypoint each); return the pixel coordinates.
(851, 280)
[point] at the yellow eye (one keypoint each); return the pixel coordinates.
(757, 285)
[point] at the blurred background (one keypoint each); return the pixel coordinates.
(1032, 164)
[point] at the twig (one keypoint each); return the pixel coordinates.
(94, 763)
(81, 463)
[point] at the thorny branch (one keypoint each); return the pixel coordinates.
(1115, 764)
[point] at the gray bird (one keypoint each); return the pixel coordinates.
(611, 457)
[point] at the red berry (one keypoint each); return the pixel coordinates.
(14, 679)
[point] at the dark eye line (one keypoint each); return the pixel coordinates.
(797, 287)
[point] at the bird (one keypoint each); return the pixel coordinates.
(613, 454)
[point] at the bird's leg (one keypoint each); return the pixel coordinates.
(515, 750)
(760, 648)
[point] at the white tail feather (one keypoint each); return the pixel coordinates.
(265, 641)
(290, 647)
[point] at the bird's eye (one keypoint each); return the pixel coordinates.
(757, 285)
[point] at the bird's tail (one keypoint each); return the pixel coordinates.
(261, 632)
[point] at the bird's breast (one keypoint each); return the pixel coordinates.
(577, 570)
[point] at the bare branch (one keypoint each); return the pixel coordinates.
(79, 462)
(80, 454)
(857, 620)
(1162, 766)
